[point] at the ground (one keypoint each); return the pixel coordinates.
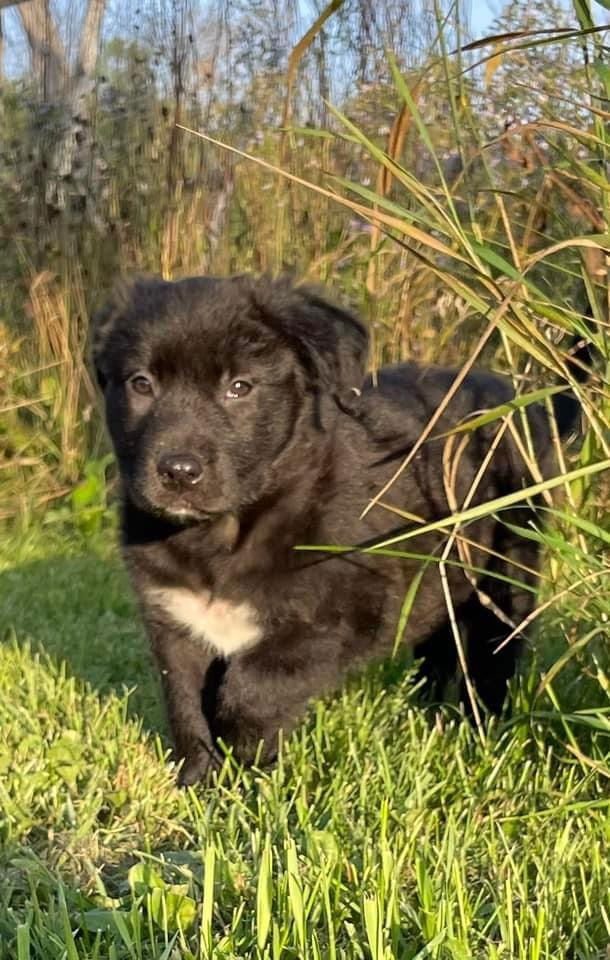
(385, 830)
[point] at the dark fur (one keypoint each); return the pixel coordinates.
(295, 462)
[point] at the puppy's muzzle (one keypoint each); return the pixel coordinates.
(179, 470)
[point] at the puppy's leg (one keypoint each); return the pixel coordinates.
(491, 662)
(268, 690)
(438, 664)
(184, 665)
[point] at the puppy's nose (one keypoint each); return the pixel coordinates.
(180, 469)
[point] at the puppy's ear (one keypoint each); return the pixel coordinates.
(341, 343)
(101, 324)
(330, 341)
(122, 299)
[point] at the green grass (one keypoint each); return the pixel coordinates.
(384, 831)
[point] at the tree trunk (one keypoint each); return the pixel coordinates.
(68, 129)
(90, 39)
(48, 55)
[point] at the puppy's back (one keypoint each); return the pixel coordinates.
(398, 402)
(426, 387)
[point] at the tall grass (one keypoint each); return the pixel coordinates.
(457, 249)
(430, 228)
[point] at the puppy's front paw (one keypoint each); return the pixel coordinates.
(198, 766)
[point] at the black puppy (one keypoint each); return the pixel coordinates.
(242, 428)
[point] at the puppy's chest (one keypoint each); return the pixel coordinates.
(228, 626)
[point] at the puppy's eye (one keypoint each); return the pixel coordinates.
(238, 389)
(141, 384)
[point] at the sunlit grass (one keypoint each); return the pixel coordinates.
(385, 830)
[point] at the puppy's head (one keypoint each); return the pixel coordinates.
(222, 392)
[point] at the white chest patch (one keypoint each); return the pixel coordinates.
(228, 627)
